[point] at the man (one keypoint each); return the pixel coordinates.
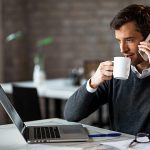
(128, 100)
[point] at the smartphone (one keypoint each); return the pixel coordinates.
(144, 56)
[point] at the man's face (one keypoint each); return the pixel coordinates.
(129, 38)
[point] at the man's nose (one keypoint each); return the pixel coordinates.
(123, 47)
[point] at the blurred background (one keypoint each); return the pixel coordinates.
(78, 31)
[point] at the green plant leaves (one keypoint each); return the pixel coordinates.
(45, 41)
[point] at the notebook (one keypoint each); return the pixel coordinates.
(46, 133)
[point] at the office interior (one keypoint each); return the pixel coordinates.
(77, 33)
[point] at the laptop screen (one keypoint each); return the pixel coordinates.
(10, 110)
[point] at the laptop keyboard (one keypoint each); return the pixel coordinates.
(46, 132)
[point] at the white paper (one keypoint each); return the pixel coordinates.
(49, 147)
(46, 147)
(124, 145)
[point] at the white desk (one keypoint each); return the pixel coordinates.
(10, 138)
(54, 88)
(57, 89)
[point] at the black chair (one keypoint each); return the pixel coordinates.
(26, 102)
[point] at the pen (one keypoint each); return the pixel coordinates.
(105, 135)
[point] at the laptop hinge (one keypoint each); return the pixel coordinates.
(25, 132)
(23, 129)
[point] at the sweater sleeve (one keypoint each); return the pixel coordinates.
(81, 104)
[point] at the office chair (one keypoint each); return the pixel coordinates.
(26, 102)
(90, 66)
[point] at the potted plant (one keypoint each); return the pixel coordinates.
(39, 73)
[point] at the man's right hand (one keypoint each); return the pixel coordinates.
(104, 72)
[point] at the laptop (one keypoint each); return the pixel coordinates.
(46, 133)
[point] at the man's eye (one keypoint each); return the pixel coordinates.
(118, 41)
(129, 40)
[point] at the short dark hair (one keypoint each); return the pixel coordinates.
(139, 14)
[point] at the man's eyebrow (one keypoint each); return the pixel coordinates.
(130, 37)
(117, 39)
(126, 38)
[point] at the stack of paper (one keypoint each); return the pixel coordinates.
(124, 145)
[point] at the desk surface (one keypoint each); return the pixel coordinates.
(54, 88)
(10, 138)
(57, 89)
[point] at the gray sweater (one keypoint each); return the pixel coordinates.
(128, 100)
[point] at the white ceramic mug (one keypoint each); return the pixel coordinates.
(121, 67)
